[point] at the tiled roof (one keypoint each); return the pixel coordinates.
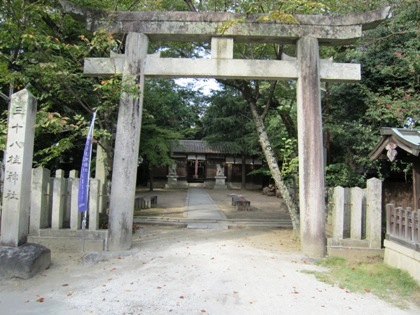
(199, 146)
(406, 139)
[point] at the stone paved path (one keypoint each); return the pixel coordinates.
(201, 207)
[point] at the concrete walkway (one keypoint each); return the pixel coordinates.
(202, 209)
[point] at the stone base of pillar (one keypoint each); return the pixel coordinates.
(349, 248)
(220, 182)
(24, 261)
(172, 181)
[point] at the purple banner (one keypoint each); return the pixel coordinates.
(83, 196)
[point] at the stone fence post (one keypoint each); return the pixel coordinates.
(374, 212)
(75, 215)
(358, 213)
(61, 209)
(39, 218)
(339, 216)
(94, 189)
(58, 200)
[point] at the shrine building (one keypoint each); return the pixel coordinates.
(210, 165)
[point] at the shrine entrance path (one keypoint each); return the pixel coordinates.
(173, 203)
(201, 208)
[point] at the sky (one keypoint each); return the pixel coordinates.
(205, 85)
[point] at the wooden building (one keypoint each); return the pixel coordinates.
(404, 144)
(198, 163)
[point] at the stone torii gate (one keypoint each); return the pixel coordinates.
(308, 69)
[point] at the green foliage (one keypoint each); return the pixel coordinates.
(341, 7)
(174, 107)
(3, 131)
(132, 5)
(228, 119)
(340, 174)
(42, 49)
(283, 144)
(290, 162)
(281, 11)
(155, 145)
(386, 96)
(109, 91)
(170, 113)
(45, 49)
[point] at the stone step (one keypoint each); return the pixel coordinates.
(226, 222)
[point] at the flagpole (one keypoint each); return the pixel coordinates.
(83, 198)
(90, 159)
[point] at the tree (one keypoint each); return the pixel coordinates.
(261, 96)
(386, 96)
(248, 89)
(43, 50)
(170, 113)
(252, 96)
(228, 120)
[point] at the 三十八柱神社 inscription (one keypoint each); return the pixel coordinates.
(18, 169)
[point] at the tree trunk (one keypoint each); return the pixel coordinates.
(274, 167)
(151, 179)
(243, 177)
(104, 159)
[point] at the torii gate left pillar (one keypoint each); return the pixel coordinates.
(127, 143)
(310, 146)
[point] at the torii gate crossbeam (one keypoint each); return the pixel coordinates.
(307, 69)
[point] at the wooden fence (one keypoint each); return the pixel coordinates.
(403, 225)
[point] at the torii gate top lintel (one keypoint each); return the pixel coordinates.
(202, 26)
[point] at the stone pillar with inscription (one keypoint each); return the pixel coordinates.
(18, 169)
(17, 257)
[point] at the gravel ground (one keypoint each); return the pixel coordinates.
(173, 270)
(181, 271)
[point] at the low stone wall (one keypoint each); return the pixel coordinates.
(402, 257)
(356, 221)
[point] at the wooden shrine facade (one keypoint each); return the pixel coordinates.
(199, 162)
(404, 144)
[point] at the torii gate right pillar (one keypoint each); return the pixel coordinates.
(311, 162)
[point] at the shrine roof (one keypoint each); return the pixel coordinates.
(200, 146)
(405, 139)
